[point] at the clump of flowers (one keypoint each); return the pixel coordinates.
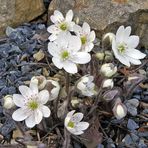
(71, 49)
(61, 24)
(32, 105)
(124, 47)
(73, 123)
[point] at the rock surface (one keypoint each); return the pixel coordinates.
(16, 12)
(108, 15)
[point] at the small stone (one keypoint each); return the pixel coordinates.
(132, 106)
(12, 90)
(127, 140)
(100, 146)
(132, 125)
(39, 55)
(142, 144)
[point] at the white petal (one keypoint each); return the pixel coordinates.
(70, 114)
(55, 90)
(18, 100)
(30, 121)
(70, 26)
(70, 67)
(124, 60)
(82, 125)
(74, 42)
(86, 28)
(38, 116)
(134, 53)
(78, 132)
(20, 114)
(53, 29)
(81, 86)
(53, 49)
(68, 117)
(92, 36)
(43, 96)
(133, 41)
(34, 87)
(53, 37)
(69, 16)
(62, 41)
(120, 34)
(77, 29)
(77, 117)
(57, 62)
(134, 61)
(45, 111)
(58, 16)
(25, 91)
(127, 32)
(81, 58)
(88, 47)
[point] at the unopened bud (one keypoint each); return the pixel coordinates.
(8, 102)
(108, 83)
(100, 56)
(40, 81)
(108, 69)
(120, 110)
(108, 37)
(108, 56)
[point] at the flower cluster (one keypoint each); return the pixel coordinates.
(124, 47)
(32, 101)
(70, 45)
(69, 50)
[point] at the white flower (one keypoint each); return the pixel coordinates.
(66, 54)
(124, 45)
(73, 124)
(31, 103)
(108, 83)
(86, 86)
(54, 89)
(86, 35)
(8, 102)
(108, 69)
(61, 24)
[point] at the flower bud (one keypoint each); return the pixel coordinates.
(40, 81)
(108, 83)
(119, 109)
(8, 102)
(53, 88)
(100, 56)
(108, 37)
(108, 56)
(108, 69)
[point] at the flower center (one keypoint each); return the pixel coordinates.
(71, 124)
(121, 48)
(63, 26)
(65, 55)
(33, 105)
(83, 40)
